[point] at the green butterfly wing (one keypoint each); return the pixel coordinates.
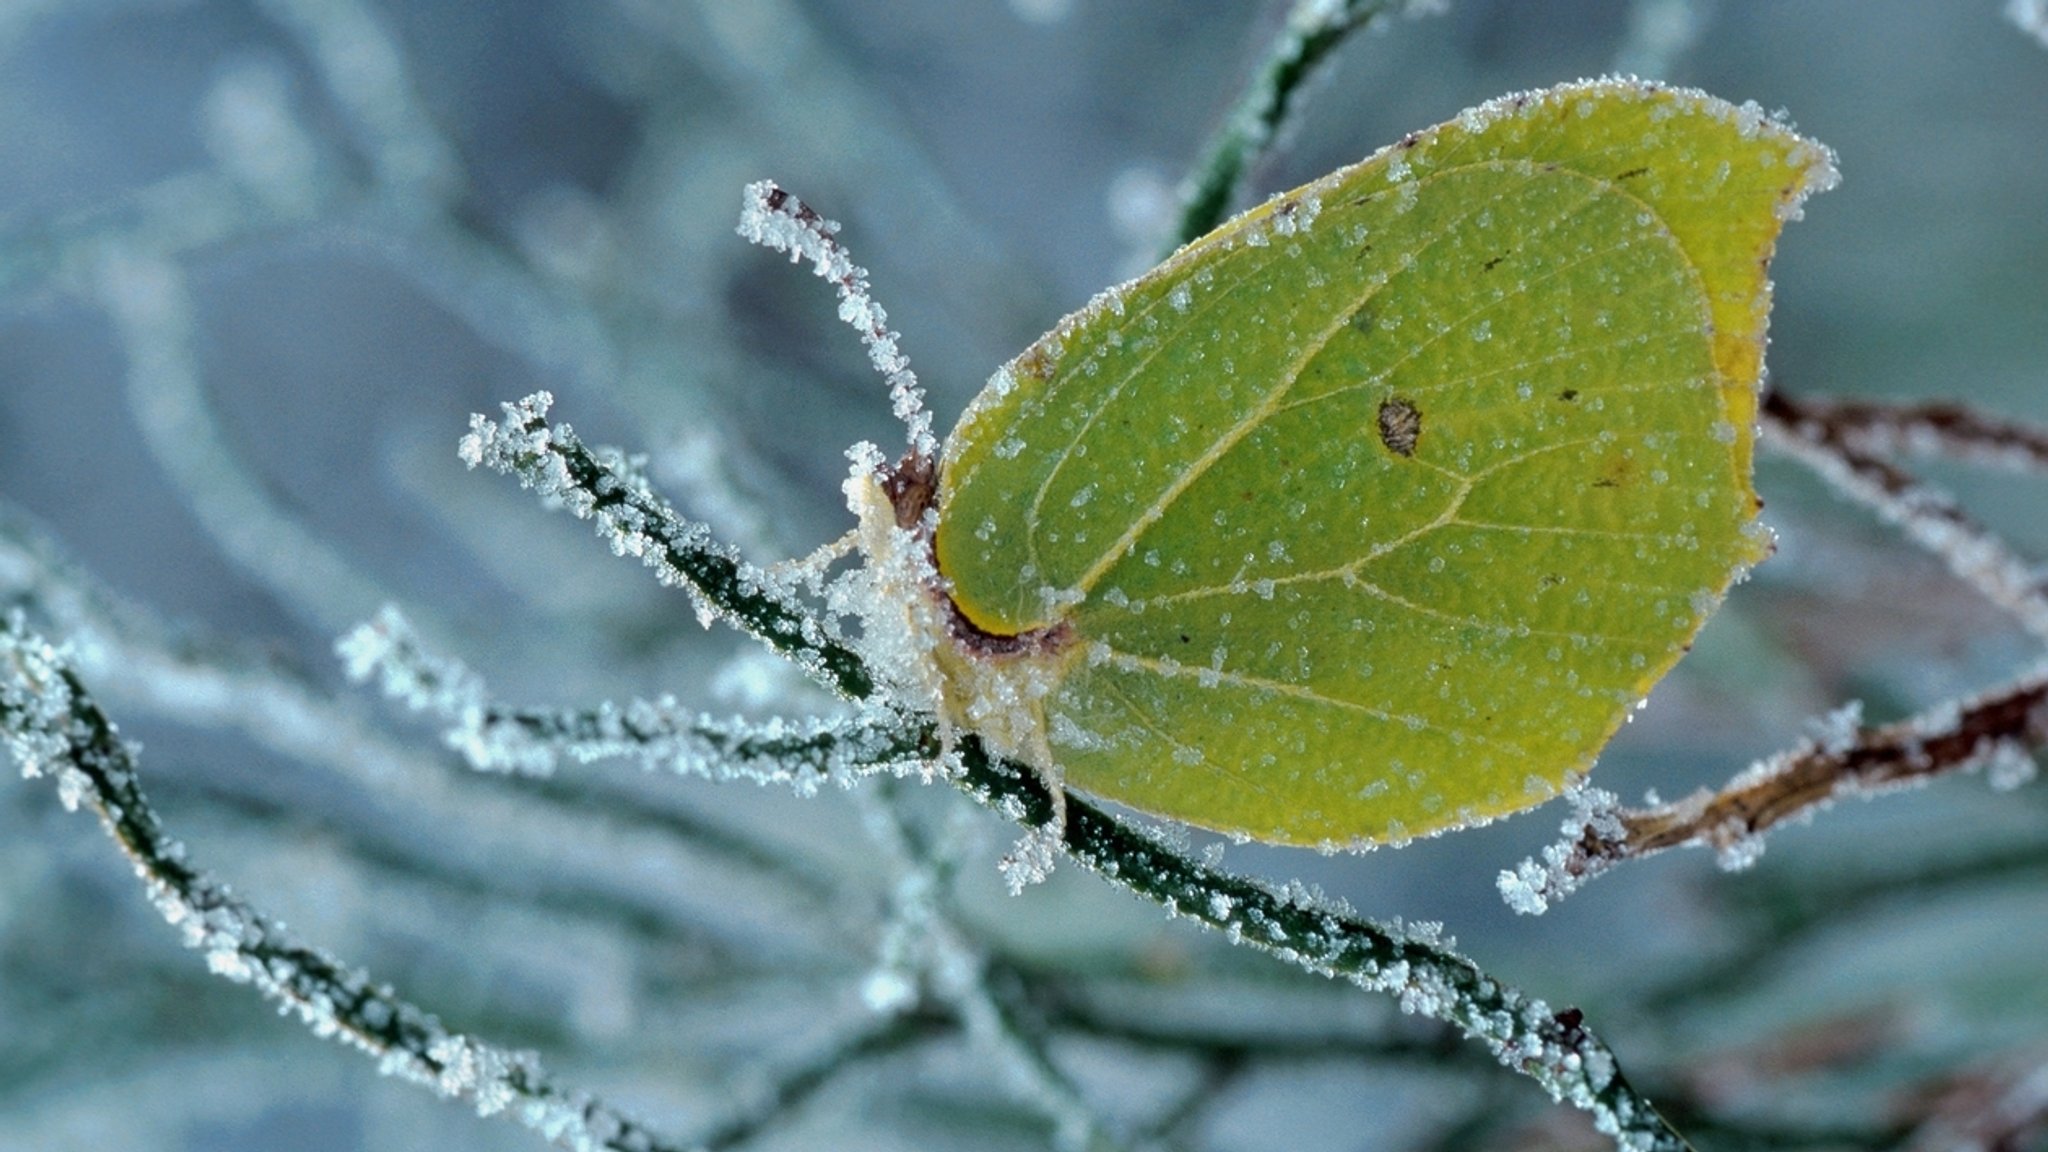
(1376, 510)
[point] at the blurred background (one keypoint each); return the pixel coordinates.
(260, 259)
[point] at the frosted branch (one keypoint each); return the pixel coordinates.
(1941, 430)
(1424, 976)
(55, 730)
(1998, 733)
(658, 734)
(609, 489)
(1313, 30)
(1926, 515)
(774, 219)
(204, 680)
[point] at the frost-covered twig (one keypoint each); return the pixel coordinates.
(549, 459)
(774, 219)
(54, 729)
(1424, 976)
(1941, 429)
(206, 681)
(1998, 732)
(661, 733)
(1313, 30)
(1926, 515)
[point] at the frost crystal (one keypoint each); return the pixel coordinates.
(2008, 765)
(1531, 888)
(1835, 733)
(608, 488)
(1030, 861)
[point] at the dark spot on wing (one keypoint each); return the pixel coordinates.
(1034, 364)
(1617, 472)
(1400, 425)
(1364, 319)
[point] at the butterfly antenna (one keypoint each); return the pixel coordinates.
(775, 219)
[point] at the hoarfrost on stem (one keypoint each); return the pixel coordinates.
(659, 734)
(54, 728)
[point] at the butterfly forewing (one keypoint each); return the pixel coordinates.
(1375, 510)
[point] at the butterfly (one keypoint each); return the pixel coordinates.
(1375, 511)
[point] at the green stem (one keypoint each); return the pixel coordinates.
(1313, 30)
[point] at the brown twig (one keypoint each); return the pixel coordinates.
(1943, 430)
(2001, 730)
(1994, 1110)
(1927, 516)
